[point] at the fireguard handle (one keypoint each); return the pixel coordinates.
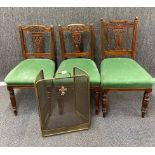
(63, 72)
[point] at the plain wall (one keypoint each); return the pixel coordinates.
(10, 18)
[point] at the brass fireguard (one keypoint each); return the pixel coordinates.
(63, 103)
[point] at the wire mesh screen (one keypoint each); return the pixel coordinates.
(63, 103)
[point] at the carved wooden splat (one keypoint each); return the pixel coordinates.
(37, 37)
(117, 28)
(37, 40)
(76, 34)
(76, 38)
(118, 33)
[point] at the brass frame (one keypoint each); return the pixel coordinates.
(63, 130)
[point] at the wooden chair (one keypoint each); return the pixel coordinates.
(118, 38)
(24, 74)
(78, 57)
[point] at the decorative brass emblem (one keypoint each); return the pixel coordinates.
(62, 90)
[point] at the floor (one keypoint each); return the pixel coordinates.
(123, 125)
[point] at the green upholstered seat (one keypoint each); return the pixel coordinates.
(124, 73)
(26, 71)
(84, 64)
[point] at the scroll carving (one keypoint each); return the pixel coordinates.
(37, 41)
(118, 29)
(120, 23)
(76, 28)
(118, 33)
(76, 38)
(37, 29)
(76, 34)
(37, 36)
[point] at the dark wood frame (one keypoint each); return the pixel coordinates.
(76, 30)
(120, 25)
(37, 31)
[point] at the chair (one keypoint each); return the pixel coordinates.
(79, 57)
(24, 74)
(118, 38)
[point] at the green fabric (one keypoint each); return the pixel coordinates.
(84, 64)
(25, 72)
(124, 73)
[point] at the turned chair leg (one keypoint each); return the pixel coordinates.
(97, 93)
(104, 102)
(145, 102)
(12, 98)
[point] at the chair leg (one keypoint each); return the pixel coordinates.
(145, 102)
(104, 102)
(97, 93)
(12, 98)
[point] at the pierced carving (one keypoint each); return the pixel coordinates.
(118, 33)
(76, 34)
(76, 28)
(37, 36)
(37, 40)
(121, 23)
(76, 38)
(119, 29)
(36, 29)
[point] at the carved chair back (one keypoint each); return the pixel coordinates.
(37, 35)
(118, 37)
(76, 31)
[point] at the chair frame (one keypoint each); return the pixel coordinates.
(37, 31)
(120, 25)
(76, 30)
